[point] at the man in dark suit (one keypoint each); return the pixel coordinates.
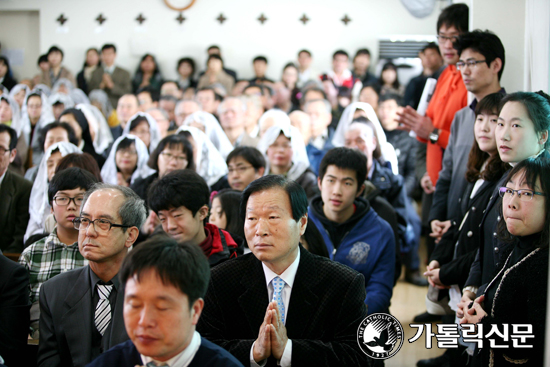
(14, 196)
(164, 274)
(114, 80)
(81, 310)
(281, 304)
(14, 311)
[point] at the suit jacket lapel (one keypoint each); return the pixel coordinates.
(302, 299)
(7, 191)
(254, 299)
(77, 320)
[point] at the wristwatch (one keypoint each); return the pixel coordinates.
(434, 136)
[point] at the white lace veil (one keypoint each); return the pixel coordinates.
(212, 129)
(109, 170)
(103, 137)
(338, 140)
(16, 122)
(209, 161)
(153, 129)
(39, 207)
(300, 162)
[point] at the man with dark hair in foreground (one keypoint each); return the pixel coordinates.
(165, 282)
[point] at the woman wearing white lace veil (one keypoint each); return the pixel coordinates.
(211, 127)
(285, 154)
(11, 115)
(149, 133)
(19, 93)
(59, 102)
(209, 162)
(99, 129)
(120, 161)
(31, 131)
(65, 86)
(39, 207)
(388, 152)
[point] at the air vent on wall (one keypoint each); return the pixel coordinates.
(397, 47)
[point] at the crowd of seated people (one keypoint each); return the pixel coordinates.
(235, 194)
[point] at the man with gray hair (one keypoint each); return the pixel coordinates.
(320, 113)
(184, 108)
(232, 118)
(81, 310)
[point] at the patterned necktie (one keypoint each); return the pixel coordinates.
(278, 286)
(103, 308)
(153, 364)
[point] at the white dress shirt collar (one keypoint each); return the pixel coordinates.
(184, 358)
(2, 177)
(288, 275)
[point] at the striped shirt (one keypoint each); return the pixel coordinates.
(47, 258)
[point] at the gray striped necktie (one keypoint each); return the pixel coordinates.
(103, 308)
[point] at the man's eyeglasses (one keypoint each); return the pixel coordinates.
(64, 201)
(442, 38)
(461, 65)
(3, 151)
(169, 156)
(240, 169)
(524, 194)
(100, 225)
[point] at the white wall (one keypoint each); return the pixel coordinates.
(506, 18)
(241, 37)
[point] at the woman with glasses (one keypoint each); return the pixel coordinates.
(521, 133)
(127, 161)
(517, 295)
(172, 153)
(285, 154)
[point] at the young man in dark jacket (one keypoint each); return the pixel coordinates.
(354, 234)
(180, 200)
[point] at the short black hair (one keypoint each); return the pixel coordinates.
(391, 96)
(249, 154)
(216, 47)
(168, 97)
(55, 49)
(486, 43)
(375, 87)
(340, 52)
(431, 46)
(260, 58)
(296, 193)
(214, 56)
(174, 141)
(182, 265)
(42, 58)
(362, 51)
(12, 133)
(345, 158)
(54, 125)
(154, 93)
(70, 179)
(189, 61)
(306, 51)
(218, 97)
(108, 46)
(183, 187)
(229, 200)
(454, 15)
